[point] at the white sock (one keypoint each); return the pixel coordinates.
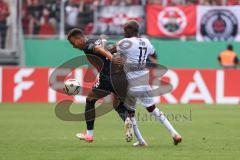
(90, 132)
(160, 116)
(136, 131)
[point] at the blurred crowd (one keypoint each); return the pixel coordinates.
(188, 2)
(4, 13)
(42, 17)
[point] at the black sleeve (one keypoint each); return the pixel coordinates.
(89, 48)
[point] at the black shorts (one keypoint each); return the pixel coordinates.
(103, 84)
(116, 83)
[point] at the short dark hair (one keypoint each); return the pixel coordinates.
(75, 32)
(132, 25)
(230, 47)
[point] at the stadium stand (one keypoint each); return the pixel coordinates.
(42, 17)
(10, 51)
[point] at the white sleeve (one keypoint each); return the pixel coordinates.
(123, 45)
(151, 49)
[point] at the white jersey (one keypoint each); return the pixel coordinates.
(135, 50)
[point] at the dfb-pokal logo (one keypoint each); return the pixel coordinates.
(219, 25)
(172, 21)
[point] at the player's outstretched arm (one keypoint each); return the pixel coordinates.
(102, 51)
(115, 59)
(153, 58)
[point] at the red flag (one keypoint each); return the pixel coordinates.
(171, 21)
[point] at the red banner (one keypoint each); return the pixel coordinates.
(189, 86)
(171, 21)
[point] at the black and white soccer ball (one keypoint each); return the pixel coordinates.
(72, 87)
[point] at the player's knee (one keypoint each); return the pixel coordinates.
(90, 100)
(117, 104)
(119, 108)
(89, 108)
(151, 108)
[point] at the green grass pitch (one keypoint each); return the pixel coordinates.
(33, 132)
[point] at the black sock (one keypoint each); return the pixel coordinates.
(123, 111)
(90, 113)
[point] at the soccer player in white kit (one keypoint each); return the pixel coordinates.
(135, 51)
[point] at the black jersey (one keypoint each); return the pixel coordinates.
(101, 63)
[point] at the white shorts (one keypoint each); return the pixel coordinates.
(139, 89)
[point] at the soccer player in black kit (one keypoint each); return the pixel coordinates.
(101, 59)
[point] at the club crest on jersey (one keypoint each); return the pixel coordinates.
(98, 42)
(172, 21)
(219, 24)
(125, 44)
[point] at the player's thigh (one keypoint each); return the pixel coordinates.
(147, 101)
(144, 95)
(95, 95)
(101, 88)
